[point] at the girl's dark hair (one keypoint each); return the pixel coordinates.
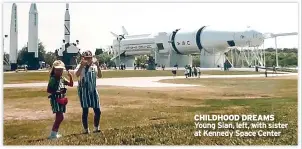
(52, 73)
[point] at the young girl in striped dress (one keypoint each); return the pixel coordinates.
(87, 72)
(56, 89)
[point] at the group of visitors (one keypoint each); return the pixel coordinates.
(192, 71)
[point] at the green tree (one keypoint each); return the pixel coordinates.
(41, 52)
(291, 59)
(23, 58)
(49, 58)
(98, 51)
(141, 59)
(285, 59)
(104, 58)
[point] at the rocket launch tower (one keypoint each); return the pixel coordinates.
(69, 51)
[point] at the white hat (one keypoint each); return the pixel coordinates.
(58, 64)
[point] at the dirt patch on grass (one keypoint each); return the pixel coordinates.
(26, 114)
(33, 104)
(285, 77)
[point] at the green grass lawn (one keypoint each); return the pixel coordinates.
(27, 77)
(165, 116)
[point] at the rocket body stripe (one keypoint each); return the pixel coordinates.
(67, 32)
(198, 42)
(173, 42)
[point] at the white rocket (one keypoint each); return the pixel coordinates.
(66, 30)
(188, 41)
(33, 30)
(13, 36)
(67, 25)
(208, 38)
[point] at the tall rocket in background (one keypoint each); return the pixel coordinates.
(13, 38)
(33, 30)
(67, 25)
(69, 51)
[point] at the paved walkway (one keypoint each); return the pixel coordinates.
(144, 81)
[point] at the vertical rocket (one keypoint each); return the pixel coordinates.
(33, 30)
(69, 51)
(67, 25)
(13, 38)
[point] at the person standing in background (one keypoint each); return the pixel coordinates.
(274, 69)
(190, 71)
(195, 71)
(187, 71)
(174, 69)
(198, 72)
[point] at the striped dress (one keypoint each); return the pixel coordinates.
(56, 85)
(87, 91)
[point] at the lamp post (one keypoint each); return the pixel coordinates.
(5, 36)
(264, 60)
(119, 52)
(119, 39)
(277, 64)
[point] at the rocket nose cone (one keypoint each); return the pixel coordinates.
(14, 7)
(33, 8)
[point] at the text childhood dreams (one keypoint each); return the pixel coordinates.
(234, 117)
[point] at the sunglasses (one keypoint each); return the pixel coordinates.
(87, 58)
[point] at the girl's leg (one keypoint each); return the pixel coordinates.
(97, 117)
(54, 133)
(59, 119)
(85, 119)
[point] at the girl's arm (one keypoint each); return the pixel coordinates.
(100, 75)
(70, 82)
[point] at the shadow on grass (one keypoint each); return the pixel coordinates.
(73, 135)
(45, 139)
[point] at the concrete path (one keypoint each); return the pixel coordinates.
(144, 81)
(167, 68)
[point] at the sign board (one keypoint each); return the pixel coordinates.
(138, 47)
